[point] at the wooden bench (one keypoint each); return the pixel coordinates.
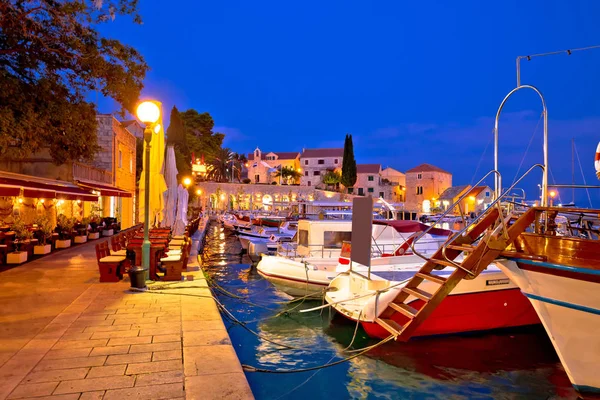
(111, 267)
(117, 248)
(175, 262)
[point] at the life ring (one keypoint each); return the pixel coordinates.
(597, 161)
(272, 238)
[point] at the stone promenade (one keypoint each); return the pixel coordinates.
(110, 343)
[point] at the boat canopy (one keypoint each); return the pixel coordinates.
(403, 226)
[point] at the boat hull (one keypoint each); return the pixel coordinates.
(567, 300)
(468, 312)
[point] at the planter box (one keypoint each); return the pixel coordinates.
(107, 232)
(41, 250)
(80, 239)
(94, 235)
(62, 244)
(16, 258)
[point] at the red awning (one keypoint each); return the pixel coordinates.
(412, 226)
(105, 190)
(9, 191)
(34, 187)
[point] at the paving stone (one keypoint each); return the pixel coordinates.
(79, 344)
(92, 395)
(108, 328)
(169, 319)
(33, 390)
(64, 363)
(88, 385)
(76, 336)
(84, 324)
(159, 378)
(190, 326)
(149, 320)
(155, 325)
(67, 353)
(203, 360)
(56, 375)
(109, 350)
(116, 334)
(154, 392)
(157, 366)
(129, 358)
(231, 386)
(72, 396)
(110, 370)
(166, 355)
(161, 314)
(166, 338)
(161, 331)
(204, 338)
(143, 348)
(130, 340)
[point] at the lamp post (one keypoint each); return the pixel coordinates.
(149, 114)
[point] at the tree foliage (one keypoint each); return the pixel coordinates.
(349, 176)
(218, 168)
(331, 178)
(176, 130)
(51, 57)
(288, 174)
(201, 140)
(239, 161)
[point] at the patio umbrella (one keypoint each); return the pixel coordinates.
(170, 195)
(157, 181)
(182, 205)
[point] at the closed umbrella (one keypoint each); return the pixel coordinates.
(170, 195)
(157, 181)
(181, 219)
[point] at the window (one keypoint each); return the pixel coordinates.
(419, 176)
(370, 178)
(303, 237)
(350, 190)
(317, 173)
(256, 178)
(419, 189)
(308, 183)
(321, 162)
(305, 162)
(487, 194)
(370, 190)
(120, 159)
(381, 195)
(305, 173)
(335, 161)
(361, 192)
(335, 239)
(131, 163)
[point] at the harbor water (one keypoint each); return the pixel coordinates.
(515, 364)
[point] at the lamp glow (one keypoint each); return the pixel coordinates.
(552, 193)
(20, 200)
(222, 197)
(156, 128)
(187, 182)
(198, 192)
(148, 112)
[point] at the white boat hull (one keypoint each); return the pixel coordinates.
(569, 309)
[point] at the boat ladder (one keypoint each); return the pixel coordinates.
(479, 252)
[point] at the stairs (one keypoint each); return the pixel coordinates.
(497, 238)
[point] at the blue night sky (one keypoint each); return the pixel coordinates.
(413, 82)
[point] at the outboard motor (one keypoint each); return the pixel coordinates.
(255, 250)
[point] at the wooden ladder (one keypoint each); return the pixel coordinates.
(478, 258)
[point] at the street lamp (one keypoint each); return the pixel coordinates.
(187, 182)
(552, 196)
(149, 114)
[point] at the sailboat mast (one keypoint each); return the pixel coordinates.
(573, 169)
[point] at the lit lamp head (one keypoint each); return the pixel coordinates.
(187, 182)
(148, 112)
(552, 194)
(198, 192)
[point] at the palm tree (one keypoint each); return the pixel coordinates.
(239, 160)
(218, 168)
(288, 174)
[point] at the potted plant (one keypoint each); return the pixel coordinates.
(81, 229)
(45, 231)
(21, 235)
(65, 230)
(107, 229)
(93, 231)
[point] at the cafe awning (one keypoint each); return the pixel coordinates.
(104, 189)
(34, 187)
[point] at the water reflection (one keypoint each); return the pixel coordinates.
(520, 364)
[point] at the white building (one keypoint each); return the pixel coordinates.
(316, 162)
(262, 167)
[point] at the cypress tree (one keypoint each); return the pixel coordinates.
(176, 130)
(348, 164)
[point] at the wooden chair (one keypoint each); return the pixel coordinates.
(117, 249)
(111, 267)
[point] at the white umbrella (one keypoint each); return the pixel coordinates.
(170, 195)
(182, 205)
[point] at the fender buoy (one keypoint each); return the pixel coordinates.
(597, 161)
(272, 238)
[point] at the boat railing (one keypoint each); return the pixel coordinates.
(290, 250)
(495, 203)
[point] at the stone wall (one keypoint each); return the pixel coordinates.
(105, 157)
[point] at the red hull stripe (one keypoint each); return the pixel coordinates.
(469, 312)
(285, 278)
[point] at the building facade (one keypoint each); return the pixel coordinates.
(368, 181)
(424, 185)
(314, 163)
(263, 167)
(476, 199)
(396, 181)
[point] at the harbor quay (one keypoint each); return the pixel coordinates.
(66, 336)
